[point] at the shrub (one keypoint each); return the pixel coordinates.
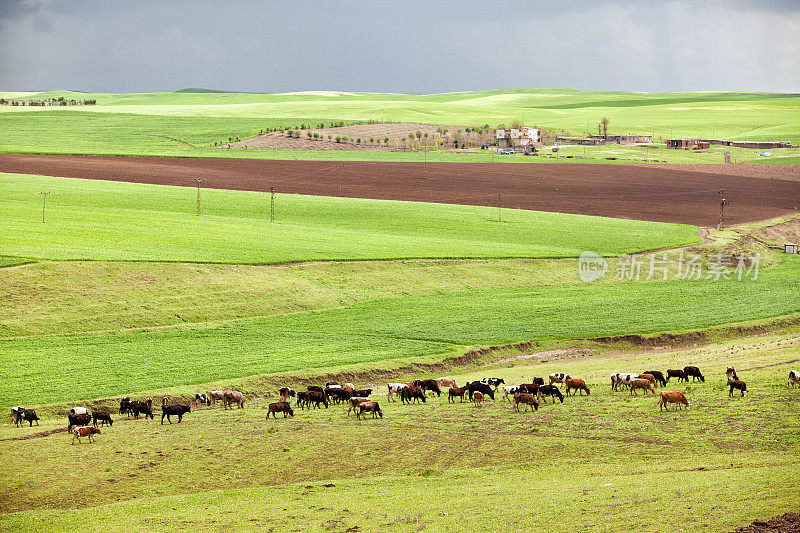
(338, 139)
(386, 140)
(310, 135)
(358, 141)
(330, 137)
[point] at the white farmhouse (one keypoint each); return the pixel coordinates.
(522, 137)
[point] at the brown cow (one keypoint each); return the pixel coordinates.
(649, 377)
(233, 397)
(577, 384)
(280, 407)
(477, 397)
(84, 431)
(354, 403)
(456, 392)
(642, 384)
(447, 382)
(527, 399)
(370, 406)
(675, 397)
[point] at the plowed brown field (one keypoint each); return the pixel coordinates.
(606, 190)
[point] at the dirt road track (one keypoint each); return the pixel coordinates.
(605, 190)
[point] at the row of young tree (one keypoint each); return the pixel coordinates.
(48, 102)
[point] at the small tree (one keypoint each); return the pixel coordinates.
(358, 141)
(338, 139)
(516, 124)
(386, 140)
(372, 140)
(604, 121)
(501, 126)
(330, 137)
(419, 134)
(310, 135)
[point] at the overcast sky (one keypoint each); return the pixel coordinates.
(400, 46)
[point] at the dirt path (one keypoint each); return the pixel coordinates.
(618, 191)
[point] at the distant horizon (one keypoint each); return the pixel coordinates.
(206, 90)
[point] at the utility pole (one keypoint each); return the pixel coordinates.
(199, 181)
(44, 202)
(722, 205)
(272, 204)
(499, 214)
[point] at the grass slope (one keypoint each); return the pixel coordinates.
(383, 329)
(98, 220)
(597, 463)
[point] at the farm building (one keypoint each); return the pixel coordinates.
(628, 138)
(688, 144)
(522, 137)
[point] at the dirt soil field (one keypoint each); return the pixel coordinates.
(786, 523)
(378, 132)
(781, 172)
(618, 191)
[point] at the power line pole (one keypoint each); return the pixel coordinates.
(722, 205)
(44, 202)
(272, 204)
(499, 214)
(199, 181)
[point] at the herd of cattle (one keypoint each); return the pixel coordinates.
(86, 424)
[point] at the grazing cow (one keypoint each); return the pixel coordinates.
(731, 373)
(316, 388)
(337, 395)
(558, 378)
(78, 416)
(363, 393)
(493, 382)
(446, 382)
(137, 408)
(527, 399)
(675, 397)
(737, 384)
(474, 386)
(84, 431)
(369, 406)
(694, 372)
(177, 409)
(395, 388)
(477, 397)
(649, 377)
(233, 397)
(659, 376)
(642, 384)
(217, 396)
(280, 407)
(354, 403)
(622, 379)
(538, 381)
(511, 390)
(530, 388)
(794, 379)
(302, 399)
(677, 373)
(577, 384)
(456, 392)
(16, 412)
(332, 385)
(550, 390)
(409, 394)
(201, 398)
(124, 405)
(430, 385)
(286, 393)
(29, 415)
(316, 397)
(103, 416)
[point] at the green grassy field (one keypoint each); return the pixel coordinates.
(598, 462)
(187, 123)
(376, 330)
(98, 220)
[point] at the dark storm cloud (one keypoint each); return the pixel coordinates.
(409, 46)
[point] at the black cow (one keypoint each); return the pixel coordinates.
(103, 416)
(658, 375)
(694, 372)
(363, 393)
(29, 415)
(550, 390)
(430, 385)
(82, 419)
(178, 410)
(412, 394)
(316, 397)
(336, 395)
(477, 386)
(137, 408)
(124, 405)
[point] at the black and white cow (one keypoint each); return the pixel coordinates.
(493, 382)
(550, 390)
(794, 378)
(29, 415)
(556, 377)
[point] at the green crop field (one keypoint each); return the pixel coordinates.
(188, 123)
(596, 463)
(130, 222)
